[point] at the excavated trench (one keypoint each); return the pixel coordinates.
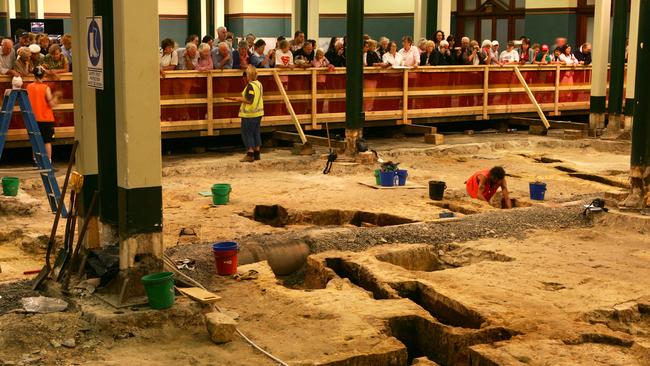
(278, 216)
(446, 337)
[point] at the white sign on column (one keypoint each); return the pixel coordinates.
(95, 53)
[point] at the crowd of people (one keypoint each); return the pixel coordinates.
(32, 51)
(226, 52)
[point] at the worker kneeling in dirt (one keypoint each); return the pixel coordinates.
(483, 185)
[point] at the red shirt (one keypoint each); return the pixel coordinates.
(473, 184)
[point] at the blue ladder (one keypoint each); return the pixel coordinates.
(45, 169)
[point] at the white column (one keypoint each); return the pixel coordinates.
(137, 111)
(313, 19)
(40, 9)
(444, 16)
(220, 13)
(204, 18)
(11, 14)
(85, 114)
(600, 61)
(420, 20)
(631, 59)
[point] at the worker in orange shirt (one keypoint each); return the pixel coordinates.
(483, 185)
(43, 100)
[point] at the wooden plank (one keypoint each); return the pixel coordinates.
(486, 90)
(405, 97)
(532, 97)
(199, 294)
(556, 99)
(407, 186)
(314, 140)
(210, 116)
(412, 129)
(287, 102)
(314, 101)
(435, 139)
(554, 124)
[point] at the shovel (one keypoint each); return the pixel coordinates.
(45, 271)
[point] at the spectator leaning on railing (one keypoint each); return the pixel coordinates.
(259, 59)
(168, 58)
(55, 62)
(392, 58)
(510, 55)
(241, 56)
(187, 57)
(443, 56)
(584, 53)
(7, 58)
(428, 57)
(205, 58)
(283, 56)
(372, 57)
(409, 54)
(304, 56)
(23, 65)
(336, 53)
(66, 48)
(222, 58)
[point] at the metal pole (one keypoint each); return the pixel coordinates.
(630, 78)
(640, 159)
(24, 9)
(617, 78)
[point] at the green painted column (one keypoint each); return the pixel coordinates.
(194, 12)
(24, 9)
(106, 121)
(640, 158)
(211, 21)
(617, 73)
(354, 115)
(303, 17)
(432, 18)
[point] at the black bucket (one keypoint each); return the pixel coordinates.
(436, 190)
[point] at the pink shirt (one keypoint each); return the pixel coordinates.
(205, 64)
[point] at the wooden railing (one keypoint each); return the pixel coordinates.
(194, 102)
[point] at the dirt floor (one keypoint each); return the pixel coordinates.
(387, 280)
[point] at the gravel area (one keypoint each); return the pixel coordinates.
(11, 293)
(499, 224)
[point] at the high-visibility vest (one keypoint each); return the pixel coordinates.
(255, 109)
(37, 93)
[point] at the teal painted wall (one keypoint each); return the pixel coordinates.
(3, 26)
(391, 27)
(175, 29)
(260, 27)
(544, 28)
(67, 25)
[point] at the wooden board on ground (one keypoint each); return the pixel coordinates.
(199, 294)
(407, 186)
(554, 124)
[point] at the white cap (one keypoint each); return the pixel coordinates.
(34, 48)
(495, 43)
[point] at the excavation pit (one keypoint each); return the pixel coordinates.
(278, 216)
(429, 259)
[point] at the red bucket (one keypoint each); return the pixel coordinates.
(225, 257)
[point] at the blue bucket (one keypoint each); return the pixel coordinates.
(537, 191)
(402, 175)
(387, 179)
(225, 246)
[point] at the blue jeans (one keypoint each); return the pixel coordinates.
(250, 132)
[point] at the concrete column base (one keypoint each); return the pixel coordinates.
(140, 245)
(126, 289)
(627, 123)
(639, 197)
(613, 130)
(596, 121)
(351, 137)
(108, 234)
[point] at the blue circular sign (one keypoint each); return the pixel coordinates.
(94, 41)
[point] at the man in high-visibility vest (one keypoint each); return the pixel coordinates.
(251, 112)
(43, 100)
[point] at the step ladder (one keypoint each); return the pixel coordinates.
(45, 169)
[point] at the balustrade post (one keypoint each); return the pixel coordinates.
(405, 98)
(556, 102)
(314, 100)
(210, 96)
(486, 86)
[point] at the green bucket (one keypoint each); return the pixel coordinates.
(160, 289)
(377, 177)
(10, 186)
(221, 193)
